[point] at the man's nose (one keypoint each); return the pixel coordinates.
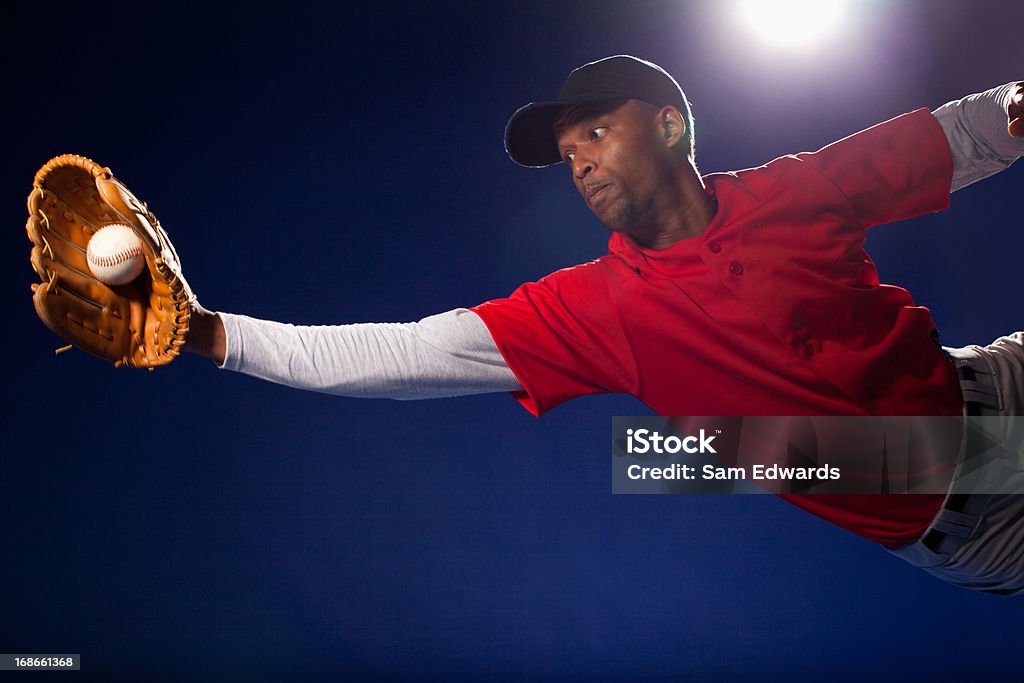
(582, 166)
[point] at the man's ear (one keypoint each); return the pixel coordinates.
(671, 125)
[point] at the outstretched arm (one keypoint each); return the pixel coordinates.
(449, 354)
(985, 132)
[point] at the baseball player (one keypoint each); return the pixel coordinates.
(745, 293)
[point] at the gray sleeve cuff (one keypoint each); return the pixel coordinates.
(231, 343)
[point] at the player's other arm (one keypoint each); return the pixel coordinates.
(985, 132)
(449, 354)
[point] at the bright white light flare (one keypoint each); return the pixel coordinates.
(793, 23)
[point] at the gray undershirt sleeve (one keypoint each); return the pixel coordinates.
(975, 127)
(449, 354)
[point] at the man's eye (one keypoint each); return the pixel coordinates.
(569, 156)
(598, 132)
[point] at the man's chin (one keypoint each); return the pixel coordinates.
(616, 217)
(611, 221)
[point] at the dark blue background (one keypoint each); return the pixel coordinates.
(330, 163)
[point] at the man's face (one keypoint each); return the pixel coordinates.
(616, 161)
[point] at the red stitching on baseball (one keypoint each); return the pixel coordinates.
(119, 257)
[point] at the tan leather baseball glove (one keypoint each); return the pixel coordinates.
(139, 324)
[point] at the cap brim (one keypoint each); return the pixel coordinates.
(529, 139)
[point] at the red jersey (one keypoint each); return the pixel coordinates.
(775, 309)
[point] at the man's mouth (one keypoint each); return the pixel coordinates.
(595, 193)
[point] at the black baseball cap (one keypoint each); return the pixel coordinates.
(529, 139)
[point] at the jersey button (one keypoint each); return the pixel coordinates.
(736, 269)
(714, 247)
(808, 350)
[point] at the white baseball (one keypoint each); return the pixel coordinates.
(115, 254)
